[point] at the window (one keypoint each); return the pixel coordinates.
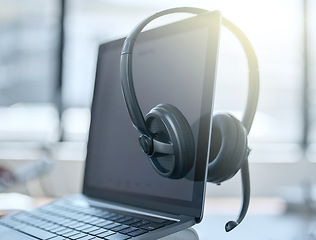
(29, 63)
(277, 133)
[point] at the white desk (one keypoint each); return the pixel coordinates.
(267, 219)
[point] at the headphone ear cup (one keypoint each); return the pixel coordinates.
(167, 124)
(228, 148)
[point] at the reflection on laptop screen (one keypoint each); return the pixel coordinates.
(169, 67)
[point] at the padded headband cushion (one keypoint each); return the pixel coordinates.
(228, 148)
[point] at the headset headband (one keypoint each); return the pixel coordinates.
(127, 74)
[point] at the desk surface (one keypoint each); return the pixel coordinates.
(267, 219)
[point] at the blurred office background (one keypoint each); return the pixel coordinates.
(48, 51)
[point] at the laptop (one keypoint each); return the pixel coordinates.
(123, 197)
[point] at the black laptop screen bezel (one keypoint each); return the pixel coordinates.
(211, 21)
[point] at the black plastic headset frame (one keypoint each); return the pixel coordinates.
(252, 98)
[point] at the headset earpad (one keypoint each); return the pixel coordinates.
(167, 124)
(228, 148)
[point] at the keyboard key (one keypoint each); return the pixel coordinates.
(106, 223)
(58, 238)
(105, 234)
(83, 227)
(77, 236)
(71, 223)
(127, 230)
(51, 226)
(69, 234)
(78, 224)
(36, 232)
(140, 223)
(98, 231)
(113, 225)
(103, 223)
(61, 232)
(132, 221)
(107, 215)
(20, 217)
(137, 232)
(86, 218)
(119, 228)
(88, 237)
(12, 223)
(116, 217)
(117, 236)
(90, 229)
(58, 228)
(96, 221)
(124, 219)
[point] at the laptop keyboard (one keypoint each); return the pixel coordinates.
(58, 221)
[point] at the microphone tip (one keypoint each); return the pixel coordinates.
(230, 225)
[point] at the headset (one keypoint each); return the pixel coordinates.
(166, 136)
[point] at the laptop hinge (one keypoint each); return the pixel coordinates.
(144, 213)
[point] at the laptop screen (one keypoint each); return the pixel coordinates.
(172, 64)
